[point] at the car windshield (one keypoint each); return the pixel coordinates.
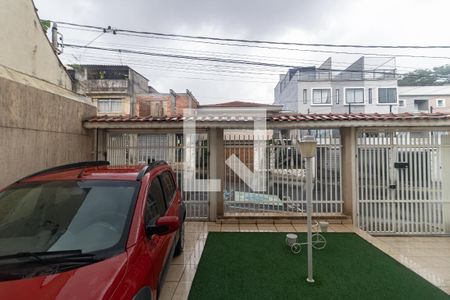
(89, 216)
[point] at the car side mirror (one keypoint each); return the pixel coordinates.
(163, 226)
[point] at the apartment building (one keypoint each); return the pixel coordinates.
(112, 88)
(368, 85)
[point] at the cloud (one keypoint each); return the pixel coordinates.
(237, 18)
(346, 21)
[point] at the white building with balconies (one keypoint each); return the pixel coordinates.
(368, 85)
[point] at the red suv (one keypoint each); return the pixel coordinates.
(89, 231)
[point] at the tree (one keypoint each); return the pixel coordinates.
(436, 76)
(45, 25)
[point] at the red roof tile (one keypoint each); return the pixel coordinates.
(281, 117)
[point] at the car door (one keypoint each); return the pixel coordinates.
(156, 208)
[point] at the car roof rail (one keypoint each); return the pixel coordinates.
(149, 167)
(83, 164)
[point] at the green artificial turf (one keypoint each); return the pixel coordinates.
(261, 266)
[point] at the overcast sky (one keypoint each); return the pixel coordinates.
(345, 22)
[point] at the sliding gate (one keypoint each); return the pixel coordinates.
(283, 173)
(402, 177)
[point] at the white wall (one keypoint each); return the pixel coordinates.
(24, 46)
(342, 107)
(288, 96)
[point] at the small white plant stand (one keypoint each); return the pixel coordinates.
(318, 240)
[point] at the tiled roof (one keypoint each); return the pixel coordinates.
(281, 117)
(424, 90)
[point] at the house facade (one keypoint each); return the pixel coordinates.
(424, 99)
(112, 88)
(368, 85)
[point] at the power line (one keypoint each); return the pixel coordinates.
(206, 73)
(117, 30)
(211, 59)
(277, 48)
(174, 61)
(203, 58)
(135, 46)
(231, 61)
(175, 66)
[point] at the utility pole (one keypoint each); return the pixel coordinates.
(55, 37)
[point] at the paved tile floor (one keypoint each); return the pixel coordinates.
(427, 256)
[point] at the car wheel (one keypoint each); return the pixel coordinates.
(180, 244)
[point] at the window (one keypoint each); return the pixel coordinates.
(168, 186)
(90, 215)
(321, 96)
(109, 105)
(440, 103)
(401, 103)
(370, 96)
(337, 96)
(421, 105)
(305, 96)
(354, 95)
(387, 95)
(156, 206)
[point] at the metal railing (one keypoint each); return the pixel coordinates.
(133, 149)
(284, 173)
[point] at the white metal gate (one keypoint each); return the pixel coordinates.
(141, 148)
(400, 182)
(284, 175)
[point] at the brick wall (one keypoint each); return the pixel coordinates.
(161, 104)
(183, 101)
(153, 105)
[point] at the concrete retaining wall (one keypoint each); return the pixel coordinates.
(40, 126)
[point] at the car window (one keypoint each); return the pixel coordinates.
(65, 215)
(168, 186)
(25, 205)
(156, 206)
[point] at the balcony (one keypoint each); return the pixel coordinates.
(107, 85)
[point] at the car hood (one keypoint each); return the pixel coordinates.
(94, 281)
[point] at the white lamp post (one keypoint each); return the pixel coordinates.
(308, 146)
